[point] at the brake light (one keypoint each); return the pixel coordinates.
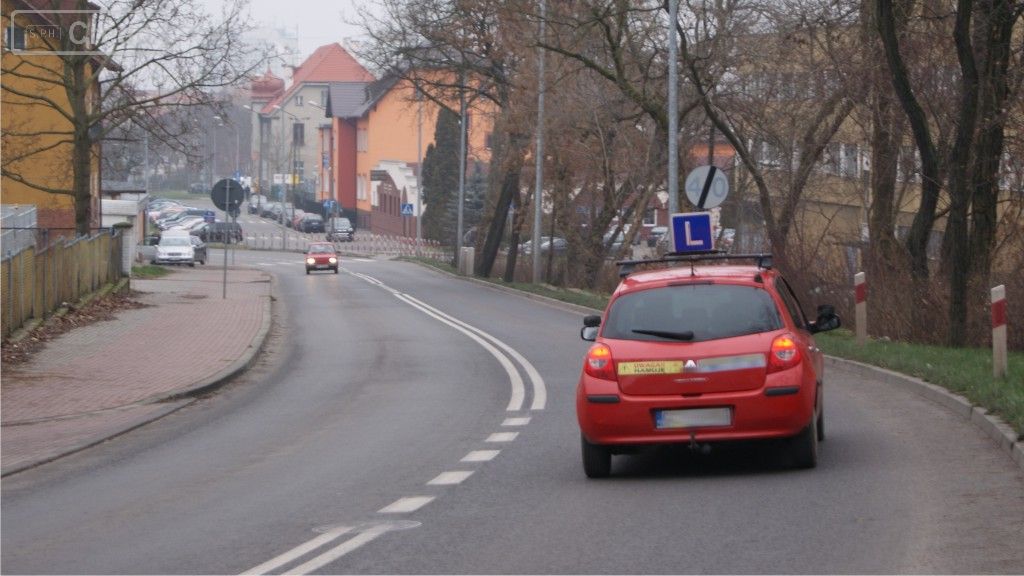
(599, 363)
(785, 353)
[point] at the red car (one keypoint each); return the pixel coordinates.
(698, 355)
(321, 256)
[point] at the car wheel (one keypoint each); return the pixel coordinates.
(821, 424)
(597, 460)
(191, 264)
(803, 448)
(307, 271)
(335, 270)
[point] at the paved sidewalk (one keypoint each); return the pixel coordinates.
(103, 379)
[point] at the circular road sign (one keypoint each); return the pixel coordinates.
(227, 194)
(707, 187)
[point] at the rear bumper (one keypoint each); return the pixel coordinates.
(782, 408)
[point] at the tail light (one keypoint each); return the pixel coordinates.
(599, 363)
(785, 353)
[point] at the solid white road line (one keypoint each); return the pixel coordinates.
(540, 394)
(451, 478)
(339, 551)
(298, 551)
(515, 402)
(406, 505)
(481, 456)
(502, 437)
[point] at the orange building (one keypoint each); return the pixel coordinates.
(380, 132)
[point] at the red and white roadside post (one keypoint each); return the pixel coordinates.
(860, 290)
(999, 358)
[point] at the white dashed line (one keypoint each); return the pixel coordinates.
(406, 505)
(502, 437)
(521, 421)
(481, 456)
(451, 478)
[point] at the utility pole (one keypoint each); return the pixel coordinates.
(462, 169)
(673, 105)
(419, 171)
(539, 172)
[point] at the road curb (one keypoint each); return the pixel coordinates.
(1004, 436)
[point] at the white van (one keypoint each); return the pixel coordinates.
(175, 247)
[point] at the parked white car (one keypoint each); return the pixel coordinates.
(175, 247)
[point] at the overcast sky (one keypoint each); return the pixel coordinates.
(319, 22)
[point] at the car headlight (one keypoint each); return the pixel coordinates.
(310, 261)
(333, 260)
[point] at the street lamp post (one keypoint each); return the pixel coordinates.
(291, 166)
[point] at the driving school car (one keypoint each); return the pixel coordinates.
(321, 256)
(699, 354)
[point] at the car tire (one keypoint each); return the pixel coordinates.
(307, 271)
(191, 264)
(597, 460)
(803, 448)
(821, 424)
(335, 270)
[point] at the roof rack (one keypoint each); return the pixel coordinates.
(626, 267)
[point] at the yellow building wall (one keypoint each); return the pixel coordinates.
(26, 147)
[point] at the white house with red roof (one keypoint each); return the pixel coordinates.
(290, 131)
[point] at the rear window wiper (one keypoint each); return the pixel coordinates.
(686, 336)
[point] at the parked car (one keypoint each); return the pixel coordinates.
(256, 202)
(269, 209)
(340, 230)
(321, 256)
(561, 245)
(655, 235)
(221, 231)
(183, 223)
(199, 188)
(174, 247)
(701, 354)
(311, 223)
(198, 249)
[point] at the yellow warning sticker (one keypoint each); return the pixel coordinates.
(651, 367)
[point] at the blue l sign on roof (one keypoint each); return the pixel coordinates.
(691, 232)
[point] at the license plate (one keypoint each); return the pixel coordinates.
(322, 266)
(692, 418)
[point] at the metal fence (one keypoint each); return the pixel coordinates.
(364, 244)
(36, 280)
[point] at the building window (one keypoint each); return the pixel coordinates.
(360, 188)
(362, 144)
(650, 217)
(323, 98)
(14, 38)
(298, 99)
(298, 134)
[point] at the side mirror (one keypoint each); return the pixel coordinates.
(152, 240)
(590, 327)
(827, 319)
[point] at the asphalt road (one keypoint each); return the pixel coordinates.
(403, 421)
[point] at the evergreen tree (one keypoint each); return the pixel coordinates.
(441, 179)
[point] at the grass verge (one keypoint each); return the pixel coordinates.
(149, 271)
(965, 371)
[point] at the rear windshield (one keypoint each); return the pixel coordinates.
(710, 311)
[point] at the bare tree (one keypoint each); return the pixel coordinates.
(141, 59)
(982, 42)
